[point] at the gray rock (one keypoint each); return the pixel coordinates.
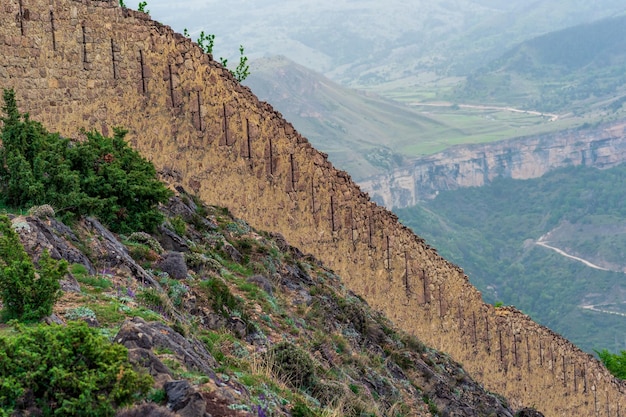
(171, 241)
(137, 333)
(282, 244)
(262, 282)
(69, 284)
(91, 322)
(174, 264)
(293, 277)
(54, 319)
(38, 235)
(112, 253)
(177, 207)
(238, 326)
(233, 253)
(177, 392)
(185, 400)
(145, 359)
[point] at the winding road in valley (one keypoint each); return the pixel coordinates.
(541, 242)
(599, 310)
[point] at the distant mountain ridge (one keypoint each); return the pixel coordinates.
(370, 43)
(360, 132)
(564, 70)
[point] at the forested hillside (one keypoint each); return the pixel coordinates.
(492, 232)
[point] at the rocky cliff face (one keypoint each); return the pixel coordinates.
(477, 165)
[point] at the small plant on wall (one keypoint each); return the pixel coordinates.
(206, 43)
(243, 69)
(142, 7)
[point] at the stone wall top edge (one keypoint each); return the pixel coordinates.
(518, 317)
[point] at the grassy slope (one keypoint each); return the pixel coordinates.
(247, 292)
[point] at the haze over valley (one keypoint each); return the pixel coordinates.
(417, 101)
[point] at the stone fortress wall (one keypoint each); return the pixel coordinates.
(92, 64)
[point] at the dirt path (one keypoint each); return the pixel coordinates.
(541, 242)
(599, 310)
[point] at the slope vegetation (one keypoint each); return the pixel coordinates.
(216, 317)
(266, 330)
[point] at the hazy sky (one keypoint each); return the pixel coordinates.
(342, 37)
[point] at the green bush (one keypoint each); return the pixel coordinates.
(121, 186)
(300, 409)
(179, 225)
(616, 364)
(27, 295)
(146, 239)
(151, 298)
(222, 300)
(70, 370)
(293, 365)
(100, 176)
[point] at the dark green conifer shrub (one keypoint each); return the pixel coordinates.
(101, 176)
(66, 371)
(616, 364)
(27, 295)
(293, 365)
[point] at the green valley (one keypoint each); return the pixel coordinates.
(492, 232)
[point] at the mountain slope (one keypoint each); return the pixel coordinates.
(205, 131)
(361, 133)
(235, 322)
(564, 70)
(368, 135)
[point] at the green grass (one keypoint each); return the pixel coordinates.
(97, 283)
(108, 313)
(78, 269)
(464, 125)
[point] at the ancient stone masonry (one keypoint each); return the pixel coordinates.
(91, 64)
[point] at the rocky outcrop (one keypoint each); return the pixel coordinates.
(519, 158)
(137, 333)
(48, 234)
